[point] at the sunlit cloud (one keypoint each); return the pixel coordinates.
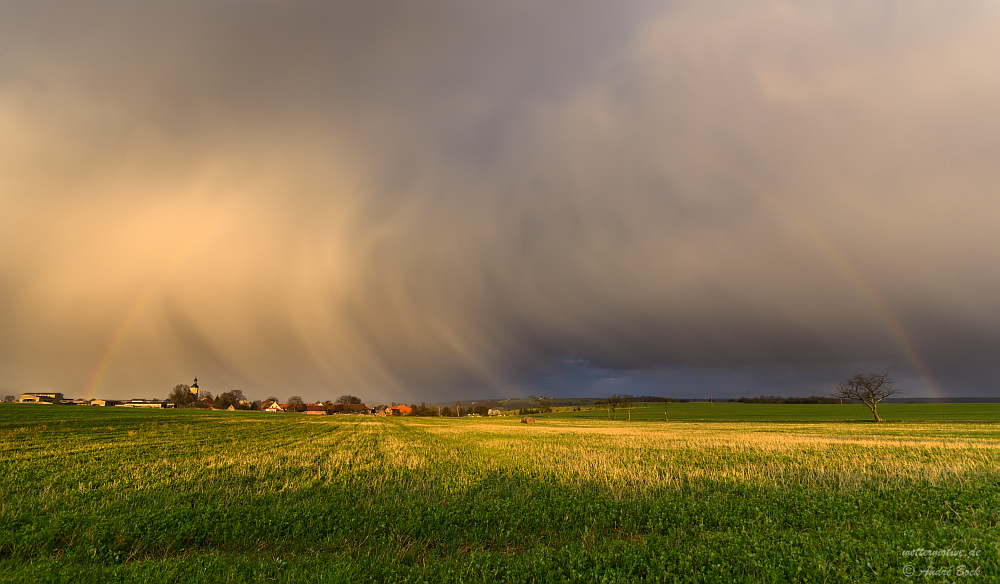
(412, 204)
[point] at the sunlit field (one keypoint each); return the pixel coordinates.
(111, 494)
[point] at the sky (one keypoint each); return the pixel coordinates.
(438, 200)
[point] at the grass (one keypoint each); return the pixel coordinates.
(117, 495)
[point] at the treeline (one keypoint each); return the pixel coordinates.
(635, 399)
(762, 399)
(775, 399)
(629, 400)
(427, 411)
(658, 398)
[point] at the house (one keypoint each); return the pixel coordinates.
(271, 406)
(400, 410)
(381, 410)
(209, 402)
(41, 398)
(316, 409)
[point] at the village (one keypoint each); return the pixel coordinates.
(191, 396)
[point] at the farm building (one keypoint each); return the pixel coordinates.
(400, 410)
(145, 403)
(271, 406)
(103, 402)
(316, 409)
(41, 398)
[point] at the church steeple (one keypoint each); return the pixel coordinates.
(194, 387)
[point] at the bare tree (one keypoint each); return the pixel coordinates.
(626, 401)
(348, 399)
(545, 405)
(295, 404)
(868, 389)
(233, 398)
(613, 401)
(181, 395)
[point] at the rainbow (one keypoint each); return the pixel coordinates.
(846, 266)
(138, 305)
(118, 339)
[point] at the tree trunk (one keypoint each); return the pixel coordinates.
(874, 408)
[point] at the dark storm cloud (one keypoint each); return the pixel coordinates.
(415, 200)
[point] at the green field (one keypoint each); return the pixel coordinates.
(119, 495)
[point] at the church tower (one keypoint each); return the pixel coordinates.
(194, 388)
